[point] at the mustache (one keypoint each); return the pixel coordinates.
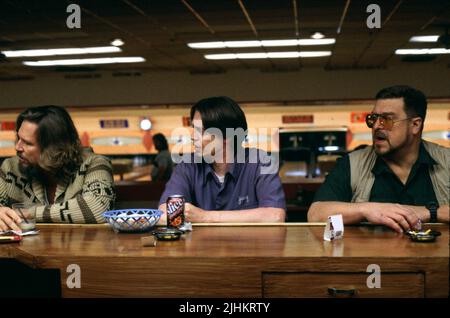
(379, 134)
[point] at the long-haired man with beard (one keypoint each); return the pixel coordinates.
(69, 184)
(401, 180)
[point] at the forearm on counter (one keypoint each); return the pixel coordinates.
(257, 215)
(351, 212)
(262, 214)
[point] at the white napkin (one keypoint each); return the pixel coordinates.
(187, 226)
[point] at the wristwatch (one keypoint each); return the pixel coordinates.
(432, 207)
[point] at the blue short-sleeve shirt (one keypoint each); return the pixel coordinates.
(247, 185)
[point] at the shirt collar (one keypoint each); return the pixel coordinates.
(235, 168)
(233, 171)
(423, 158)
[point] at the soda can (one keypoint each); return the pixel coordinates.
(175, 210)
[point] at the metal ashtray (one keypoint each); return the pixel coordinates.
(423, 236)
(167, 234)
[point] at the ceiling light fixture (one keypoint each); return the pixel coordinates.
(268, 55)
(106, 60)
(422, 51)
(424, 38)
(62, 51)
(117, 42)
(236, 44)
(317, 35)
(263, 43)
(317, 41)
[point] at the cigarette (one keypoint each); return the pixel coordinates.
(8, 238)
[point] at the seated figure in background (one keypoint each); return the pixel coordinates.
(163, 164)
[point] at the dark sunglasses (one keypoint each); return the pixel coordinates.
(385, 121)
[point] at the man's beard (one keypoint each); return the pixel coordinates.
(391, 150)
(31, 171)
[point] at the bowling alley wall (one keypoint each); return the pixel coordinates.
(116, 130)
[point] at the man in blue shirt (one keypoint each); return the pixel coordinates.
(223, 182)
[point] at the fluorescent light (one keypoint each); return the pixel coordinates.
(424, 38)
(317, 35)
(207, 45)
(117, 42)
(295, 173)
(331, 148)
(272, 43)
(317, 41)
(106, 60)
(439, 51)
(252, 55)
(62, 51)
(263, 43)
(229, 56)
(269, 43)
(268, 55)
(315, 53)
(283, 55)
(234, 44)
(422, 51)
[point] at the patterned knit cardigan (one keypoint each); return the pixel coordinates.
(81, 198)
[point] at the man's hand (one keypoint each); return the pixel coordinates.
(9, 220)
(194, 214)
(398, 217)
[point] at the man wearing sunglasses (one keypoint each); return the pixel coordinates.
(400, 181)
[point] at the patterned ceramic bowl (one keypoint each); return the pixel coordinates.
(132, 220)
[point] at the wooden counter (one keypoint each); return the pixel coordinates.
(289, 260)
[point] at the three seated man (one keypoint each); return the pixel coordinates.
(400, 181)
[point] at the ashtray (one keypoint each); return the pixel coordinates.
(423, 236)
(167, 234)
